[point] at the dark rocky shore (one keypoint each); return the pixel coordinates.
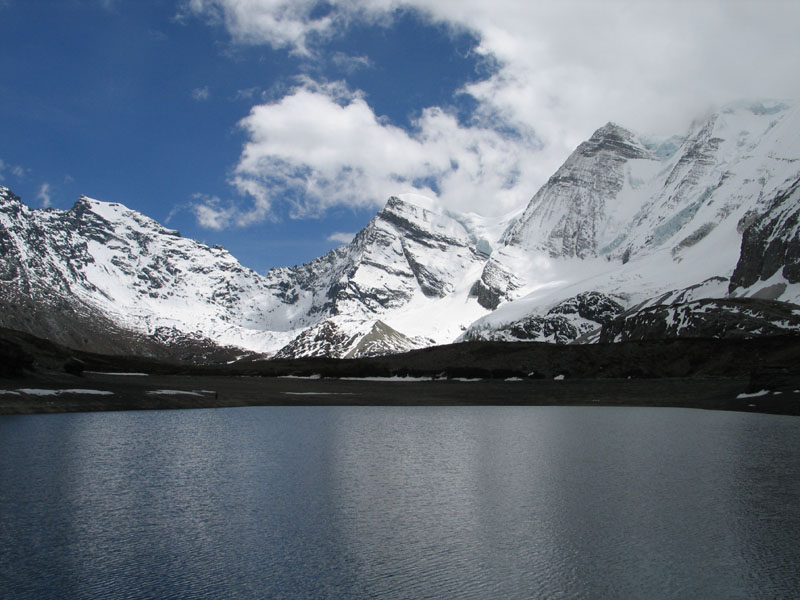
(759, 375)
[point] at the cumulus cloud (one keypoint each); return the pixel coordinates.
(200, 94)
(211, 213)
(341, 237)
(564, 68)
(575, 61)
(44, 195)
(323, 146)
(292, 24)
(569, 67)
(279, 23)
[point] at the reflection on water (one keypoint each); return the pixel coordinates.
(369, 502)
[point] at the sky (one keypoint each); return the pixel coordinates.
(278, 128)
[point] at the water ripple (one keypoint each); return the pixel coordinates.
(365, 502)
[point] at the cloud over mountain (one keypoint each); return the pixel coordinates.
(561, 70)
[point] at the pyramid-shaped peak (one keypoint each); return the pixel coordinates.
(615, 139)
(413, 200)
(612, 129)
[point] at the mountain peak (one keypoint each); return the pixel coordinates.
(8, 197)
(611, 129)
(416, 200)
(111, 211)
(614, 139)
(568, 216)
(82, 204)
(412, 206)
(624, 218)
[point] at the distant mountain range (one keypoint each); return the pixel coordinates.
(631, 239)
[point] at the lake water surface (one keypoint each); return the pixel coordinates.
(400, 502)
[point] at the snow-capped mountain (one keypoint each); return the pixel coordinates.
(403, 282)
(102, 274)
(631, 235)
(100, 266)
(712, 215)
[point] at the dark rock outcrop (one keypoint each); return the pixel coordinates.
(732, 318)
(771, 242)
(562, 324)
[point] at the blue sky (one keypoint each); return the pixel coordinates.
(277, 128)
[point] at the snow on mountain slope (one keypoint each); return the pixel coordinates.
(734, 162)
(140, 275)
(634, 219)
(579, 206)
(628, 228)
(412, 265)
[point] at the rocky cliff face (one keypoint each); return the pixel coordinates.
(771, 243)
(566, 322)
(708, 318)
(411, 248)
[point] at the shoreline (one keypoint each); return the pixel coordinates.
(91, 392)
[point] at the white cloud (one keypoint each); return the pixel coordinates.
(44, 195)
(323, 146)
(293, 24)
(213, 213)
(16, 170)
(210, 212)
(341, 237)
(201, 93)
(570, 66)
(564, 69)
(279, 23)
(576, 59)
(247, 93)
(351, 64)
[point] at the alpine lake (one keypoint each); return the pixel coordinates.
(400, 502)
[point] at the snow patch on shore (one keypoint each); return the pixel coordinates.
(400, 379)
(320, 393)
(753, 395)
(119, 374)
(180, 392)
(41, 392)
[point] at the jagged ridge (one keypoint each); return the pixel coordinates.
(625, 223)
